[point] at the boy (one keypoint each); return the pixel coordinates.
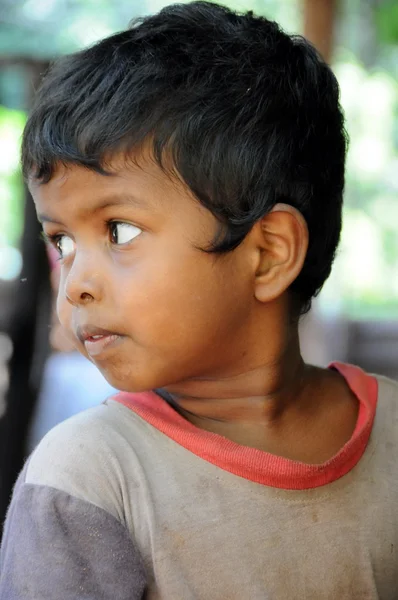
(190, 172)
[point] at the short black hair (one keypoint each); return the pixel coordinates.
(249, 115)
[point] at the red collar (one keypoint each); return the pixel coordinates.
(256, 465)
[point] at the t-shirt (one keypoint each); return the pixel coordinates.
(128, 500)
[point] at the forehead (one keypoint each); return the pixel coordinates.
(138, 181)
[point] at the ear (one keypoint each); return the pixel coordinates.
(281, 237)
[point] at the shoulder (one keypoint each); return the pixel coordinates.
(67, 509)
(87, 456)
(388, 389)
(386, 418)
(387, 397)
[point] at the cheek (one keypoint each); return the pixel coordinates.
(193, 300)
(64, 310)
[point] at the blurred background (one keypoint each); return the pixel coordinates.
(355, 319)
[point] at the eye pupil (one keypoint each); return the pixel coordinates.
(114, 232)
(123, 233)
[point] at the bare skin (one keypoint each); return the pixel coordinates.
(215, 331)
(309, 424)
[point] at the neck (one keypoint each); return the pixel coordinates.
(264, 391)
(277, 404)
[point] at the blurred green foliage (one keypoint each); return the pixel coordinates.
(386, 14)
(11, 185)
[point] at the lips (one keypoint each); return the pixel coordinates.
(96, 340)
(87, 332)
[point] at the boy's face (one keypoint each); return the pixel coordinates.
(132, 265)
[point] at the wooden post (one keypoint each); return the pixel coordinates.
(319, 22)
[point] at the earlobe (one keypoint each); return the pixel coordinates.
(282, 237)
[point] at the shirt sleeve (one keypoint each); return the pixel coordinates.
(58, 546)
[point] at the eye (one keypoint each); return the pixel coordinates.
(63, 244)
(123, 233)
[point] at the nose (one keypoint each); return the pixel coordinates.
(83, 283)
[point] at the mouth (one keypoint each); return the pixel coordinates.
(96, 340)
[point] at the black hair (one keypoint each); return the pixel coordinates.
(249, 115)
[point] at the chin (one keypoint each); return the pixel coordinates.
(141, 374)
(127, 383)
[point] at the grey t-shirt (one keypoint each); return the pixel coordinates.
(124, 501)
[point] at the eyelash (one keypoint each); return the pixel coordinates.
(53, 239)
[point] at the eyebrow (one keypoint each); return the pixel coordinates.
(105, 202)
(43, 218)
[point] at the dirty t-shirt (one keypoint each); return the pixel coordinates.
(128, 500)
